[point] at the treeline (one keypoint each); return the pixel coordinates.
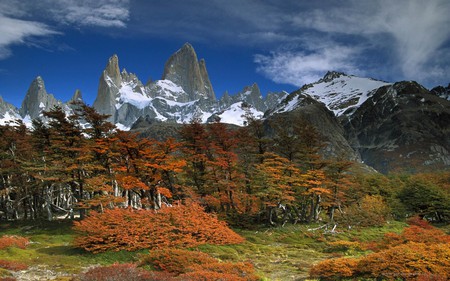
(72, 164)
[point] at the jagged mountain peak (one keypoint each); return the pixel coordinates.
(184, 69)
(77, 96)
(37, 100)
(112, 70)
(330, 75)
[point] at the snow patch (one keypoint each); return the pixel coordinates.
(235, 114)
(128, 95)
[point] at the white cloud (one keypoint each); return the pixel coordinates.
(303, 67)
(16, 31)
(103, 13)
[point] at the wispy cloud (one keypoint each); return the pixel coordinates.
(303, 67)
(102, 13)
(22, 22)
(16, 31)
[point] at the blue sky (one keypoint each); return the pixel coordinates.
(281, 45)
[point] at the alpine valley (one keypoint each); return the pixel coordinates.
(386, 126)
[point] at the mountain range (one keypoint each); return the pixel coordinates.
(388, 126)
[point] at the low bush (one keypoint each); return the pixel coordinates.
(175, 260)
(334, 269)
(13, 241)
(407, 262)
(12, 265)
(221, 271)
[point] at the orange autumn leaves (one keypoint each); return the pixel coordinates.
(127, 229)
(420, 252)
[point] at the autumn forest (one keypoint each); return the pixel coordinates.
(123, 192)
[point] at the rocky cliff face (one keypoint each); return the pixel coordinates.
(402, 126)
(184, 69)
(36, 100)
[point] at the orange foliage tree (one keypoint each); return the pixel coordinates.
(127, 229)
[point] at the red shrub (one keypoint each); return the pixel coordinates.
(13, 241)
(221, 271)
(175, 260)
(194, 265)
(334, 269)
(417, 221)
(12, 265)
(407, 262)
(413, 233)
(126, 229)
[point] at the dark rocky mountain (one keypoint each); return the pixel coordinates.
(402, 126)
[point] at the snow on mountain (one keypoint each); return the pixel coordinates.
(342, 93)
(127, 94)
(236, 114)
(8, 112)
(8, 117)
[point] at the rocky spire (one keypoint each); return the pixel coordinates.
(184, 69)
(77, 97)
(252, 95)
(108, 88)
(37, 100)
(113, 71)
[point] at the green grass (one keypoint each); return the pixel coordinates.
(284, 253)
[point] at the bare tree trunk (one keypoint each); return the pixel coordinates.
(48, 202)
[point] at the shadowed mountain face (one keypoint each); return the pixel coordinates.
(402, 126)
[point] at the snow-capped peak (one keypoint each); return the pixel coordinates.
(341, 93)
